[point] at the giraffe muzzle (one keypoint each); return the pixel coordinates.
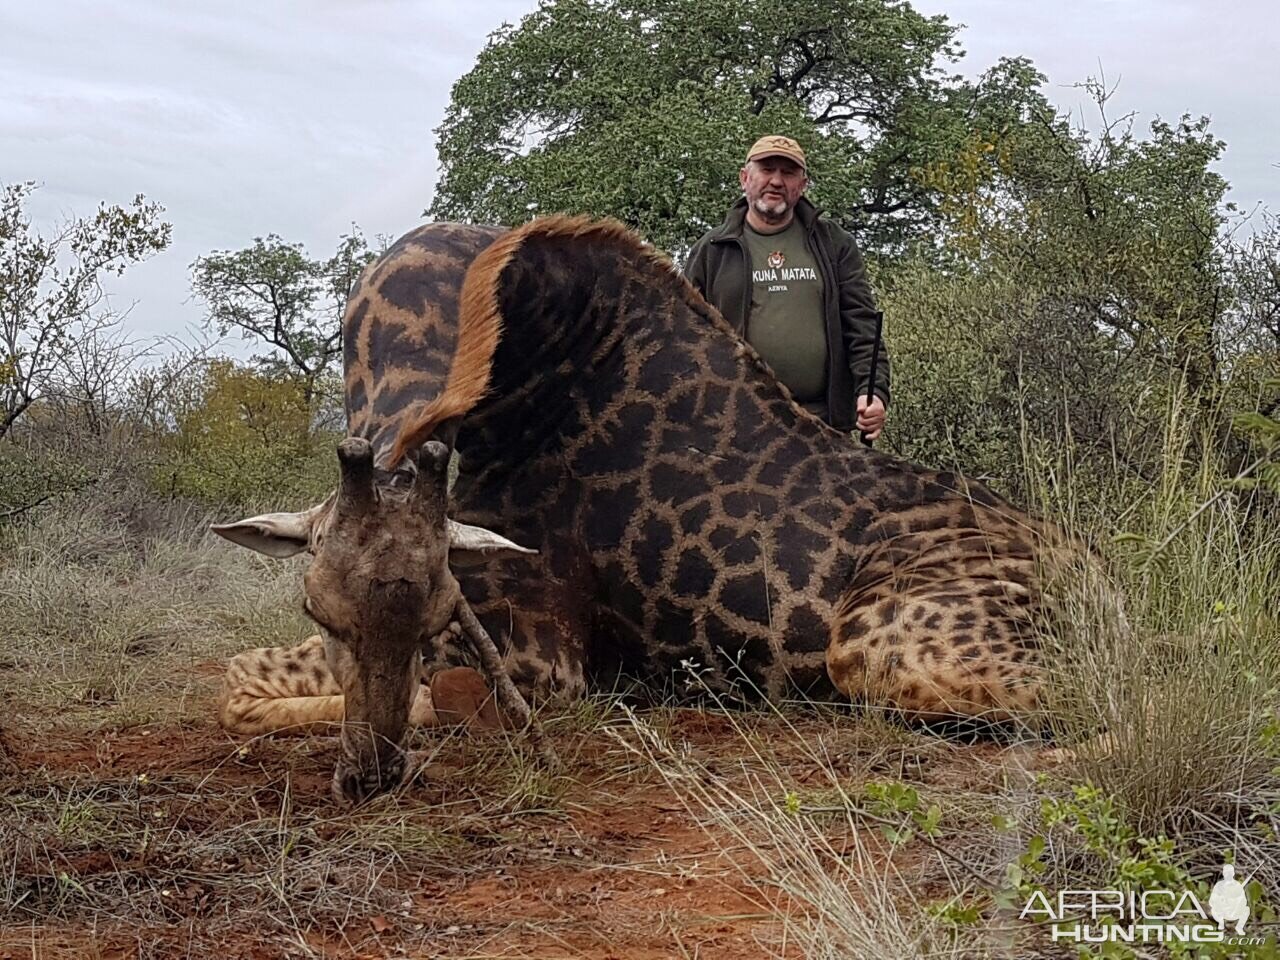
(356, 780)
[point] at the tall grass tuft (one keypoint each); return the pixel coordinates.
(1174, 710)
(803, 839)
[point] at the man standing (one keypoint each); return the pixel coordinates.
(793, 284)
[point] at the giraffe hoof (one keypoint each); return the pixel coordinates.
(1056, 756)
(1099, 748)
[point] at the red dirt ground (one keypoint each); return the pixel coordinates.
(616, 867)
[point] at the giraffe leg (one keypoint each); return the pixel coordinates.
(1105, 745)
(939, 653)
(278, 689)
(291, 690)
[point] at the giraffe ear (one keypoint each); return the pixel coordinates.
(471, 546)
(277, 535)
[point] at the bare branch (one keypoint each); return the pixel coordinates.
(51, 293)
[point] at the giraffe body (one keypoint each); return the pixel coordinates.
(684, 509)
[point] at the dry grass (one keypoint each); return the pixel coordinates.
(808, 849)
(103, 608)
(1177, 708)
(131, 826)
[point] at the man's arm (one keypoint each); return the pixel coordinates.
(695, 266)
(858, 321)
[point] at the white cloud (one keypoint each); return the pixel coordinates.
(1165, 58)
(301, 116)
(248, 117)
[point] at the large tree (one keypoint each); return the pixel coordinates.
(643, 109)
(274, 293)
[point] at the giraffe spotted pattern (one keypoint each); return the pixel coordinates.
(683, 507)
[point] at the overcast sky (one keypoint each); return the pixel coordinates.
(299, 117)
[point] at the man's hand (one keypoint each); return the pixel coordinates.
(870, 416)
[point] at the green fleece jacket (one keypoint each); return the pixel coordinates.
(719, 266)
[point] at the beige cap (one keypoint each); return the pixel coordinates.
(773, 146)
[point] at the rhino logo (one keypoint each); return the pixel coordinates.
(1228, 902)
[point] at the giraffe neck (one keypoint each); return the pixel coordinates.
(400, 330)
(609, 363)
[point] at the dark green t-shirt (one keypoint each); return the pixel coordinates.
(787, 325)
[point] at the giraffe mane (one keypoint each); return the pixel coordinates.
(480, 316)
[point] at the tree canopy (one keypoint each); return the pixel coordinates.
(1043, 277)
(643, 110)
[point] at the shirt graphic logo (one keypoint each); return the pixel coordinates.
(776, 259)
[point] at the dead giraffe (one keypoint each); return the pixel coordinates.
(683, 508)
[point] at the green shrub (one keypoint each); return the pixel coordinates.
(246, 439)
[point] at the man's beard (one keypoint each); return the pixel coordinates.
(771, 209)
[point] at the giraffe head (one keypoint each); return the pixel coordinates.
(379, 586)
